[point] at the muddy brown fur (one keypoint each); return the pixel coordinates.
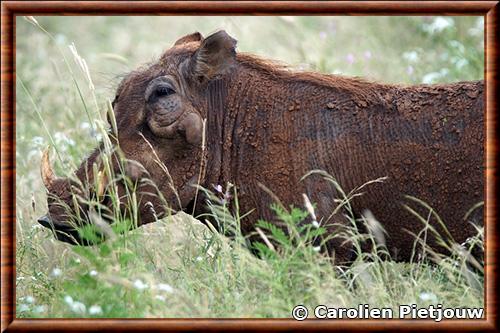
(267, 124)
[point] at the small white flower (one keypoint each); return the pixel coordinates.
(95, 310)
(439, 24)
(478, 28)
(56, 272)
(84, 126)
(68, 299)
(61, 138)
(459, 63)
(138, 284)
(161, 298)
(61, 39)
(165, 287)
(350, 59)
(37, 140)
(20, 278)
(23, 307)
(29, 299)
(39, 308)
(430, 78)
(315, 224)
(425, 296)
(411, 56)
(93, 273)
(199, 258)
(78, 307)
(317, 248)
(434, 76)
(77, 260)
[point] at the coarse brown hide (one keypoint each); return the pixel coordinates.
(205, 114)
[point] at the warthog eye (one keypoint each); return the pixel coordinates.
(162, 91)
(158, 88)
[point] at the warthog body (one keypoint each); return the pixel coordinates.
(268, 125)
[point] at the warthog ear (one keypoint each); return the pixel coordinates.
(194, 37)
(214, 57)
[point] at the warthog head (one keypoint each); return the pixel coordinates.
(156, 153)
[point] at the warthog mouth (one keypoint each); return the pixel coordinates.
(66, 233)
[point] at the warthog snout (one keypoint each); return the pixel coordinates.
(45, 221)
(64, 232)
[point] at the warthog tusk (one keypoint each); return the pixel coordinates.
(48, 176)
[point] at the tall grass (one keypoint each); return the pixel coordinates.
(181, 267)
(178, 266)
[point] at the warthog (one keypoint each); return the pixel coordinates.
(205, 114)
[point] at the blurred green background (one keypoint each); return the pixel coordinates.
(57, 104)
